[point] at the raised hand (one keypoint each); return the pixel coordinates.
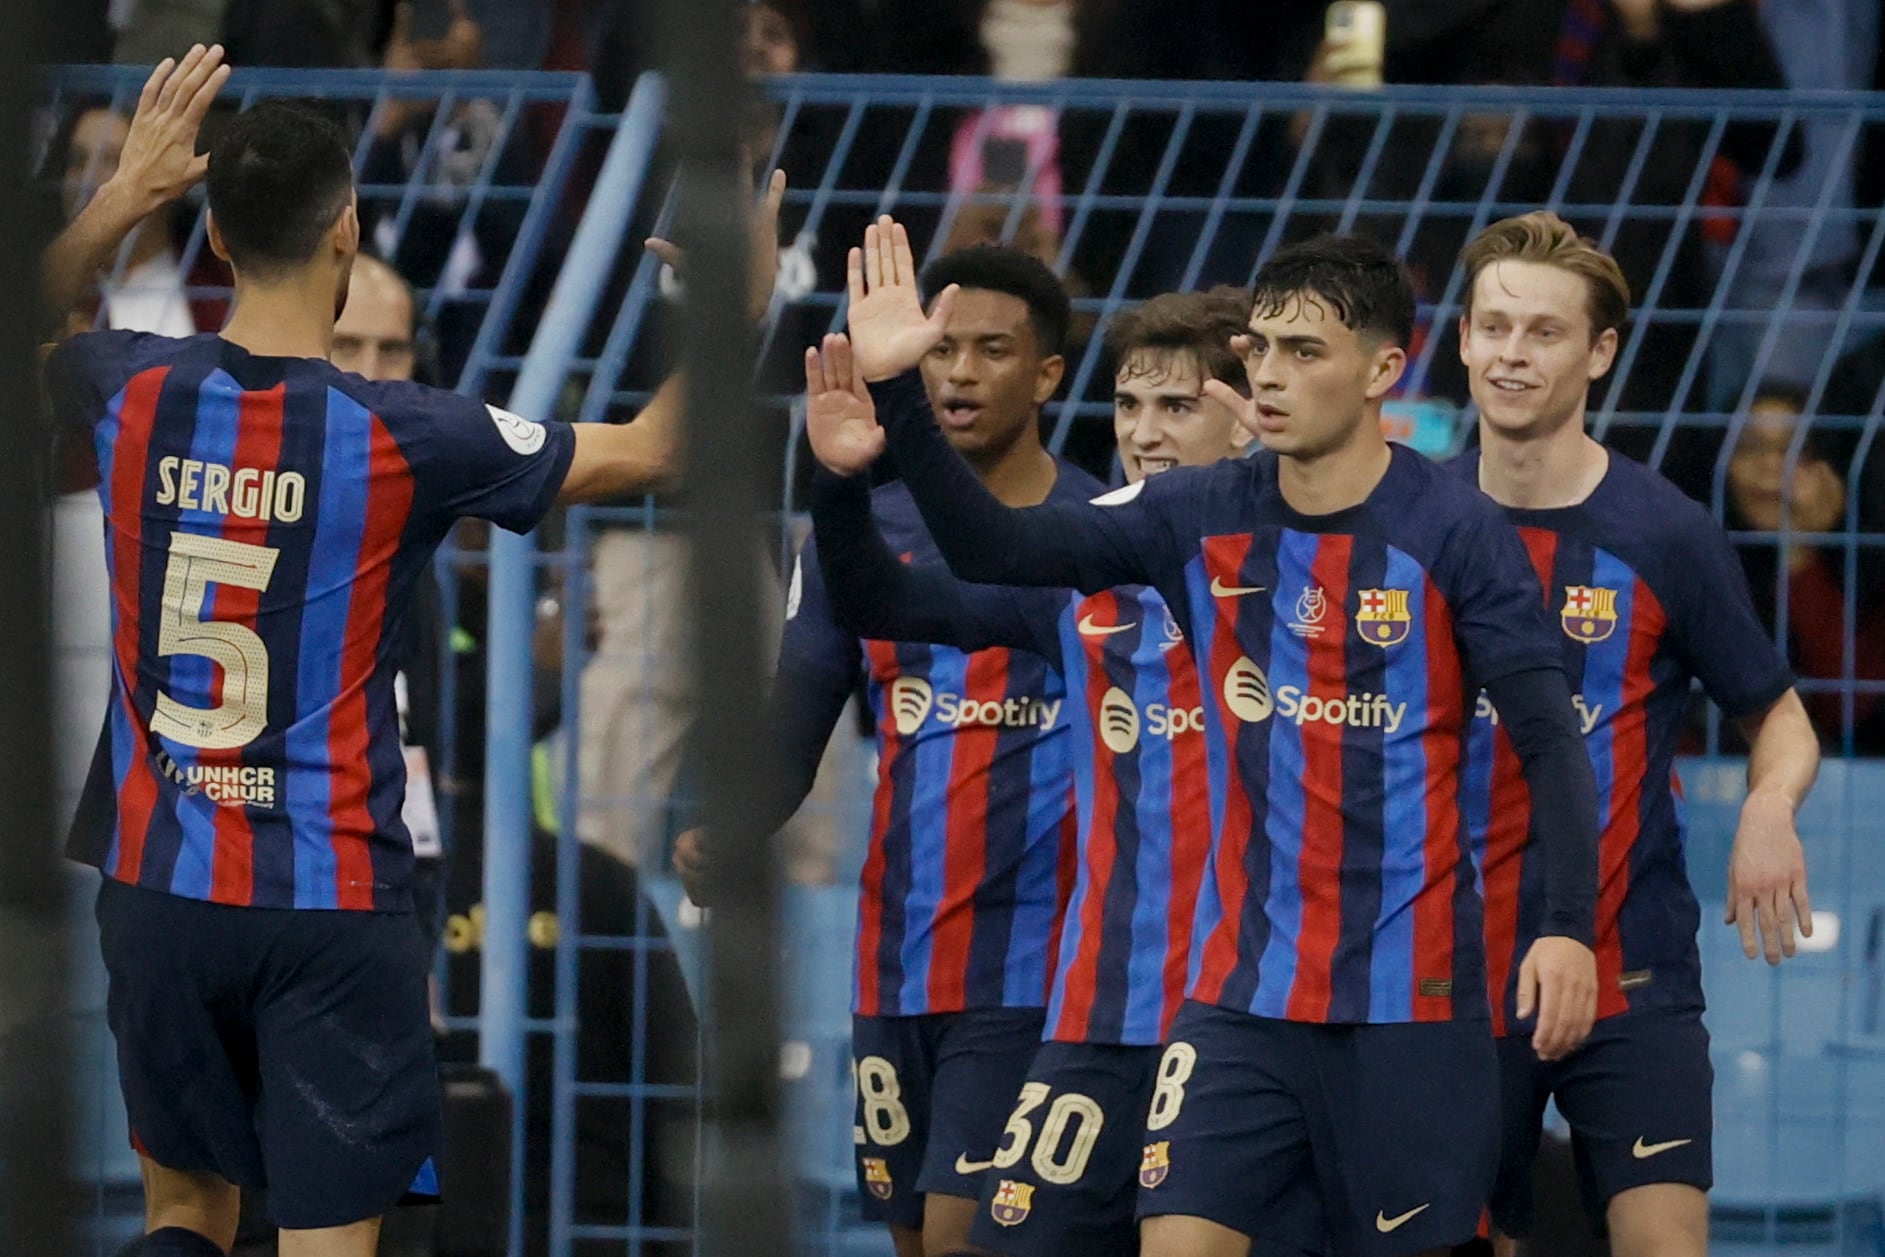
(889, 331)
(762, 256)
(159, 162)
(840, 417)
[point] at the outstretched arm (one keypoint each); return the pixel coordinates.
(159, 164)
(1084, 546)
(873, 593)
(615, 460)
(622, 460)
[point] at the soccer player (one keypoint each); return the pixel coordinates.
(1646, 596)
(1065, 1178)
(971, 840)
(1330, 1082)
(267, 518)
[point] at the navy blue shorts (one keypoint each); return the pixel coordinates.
(1639, 1096)
(1370, 1141)
(1066, 1176)
(283, 1050)
(933, 1093)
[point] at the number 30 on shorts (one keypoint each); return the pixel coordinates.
(1069, 1129)
(1168, 1096)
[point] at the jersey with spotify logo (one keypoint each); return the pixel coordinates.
(971, 840)
(267, 520)
(1134, 715)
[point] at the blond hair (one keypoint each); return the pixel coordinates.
(1542, 237)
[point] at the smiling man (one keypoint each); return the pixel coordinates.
(1066, 1175)
(1648, 596)
(1339, 944)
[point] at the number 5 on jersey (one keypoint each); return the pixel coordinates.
(195, 564)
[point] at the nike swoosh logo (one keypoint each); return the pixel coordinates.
(1384, 1224)
(1089, 629)
(1220, 590)
(966, 1166)
(1642, 1151)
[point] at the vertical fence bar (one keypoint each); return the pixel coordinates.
(35, 1126)
(503, 995)
(744, 1200)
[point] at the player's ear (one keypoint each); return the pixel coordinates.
(1047, 381)
(216, 244)
(1603, 352)
(346, 233)
(1384, 370)
(1464, 326)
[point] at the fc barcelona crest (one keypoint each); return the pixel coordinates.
(1590, 614)
(877, 1177)
(1155, 1164)
(1013, 1202)
(1384, 619)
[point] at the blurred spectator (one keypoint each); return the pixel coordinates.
(150, 30)
(1575, 43)
(1813, 576)
(311, 34)
(1827, 44)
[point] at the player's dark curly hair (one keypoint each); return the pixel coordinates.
(996, 268)
(278, 177)
(1367, 286)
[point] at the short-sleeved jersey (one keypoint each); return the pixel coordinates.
(1136, 720)
(1339, 653)
(266, 521)
(1145, 819)
(1645, 595)
(972, 831)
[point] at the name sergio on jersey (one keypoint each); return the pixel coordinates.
(244, 492)
(913, 700)
(1248, 695)
(1122, 722)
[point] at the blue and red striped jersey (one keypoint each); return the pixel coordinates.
(266, 522)
(1135, 716)
(1646, 595)
(1339, 654)
(1145, 819)
(972, 829)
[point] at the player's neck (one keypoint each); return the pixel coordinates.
(1337, 480)
(1021, 475)
(1545, 472)
(291, 318)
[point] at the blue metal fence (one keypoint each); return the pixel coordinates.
(1130, 189)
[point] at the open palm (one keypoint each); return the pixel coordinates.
(889, 331)
(840, 418)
